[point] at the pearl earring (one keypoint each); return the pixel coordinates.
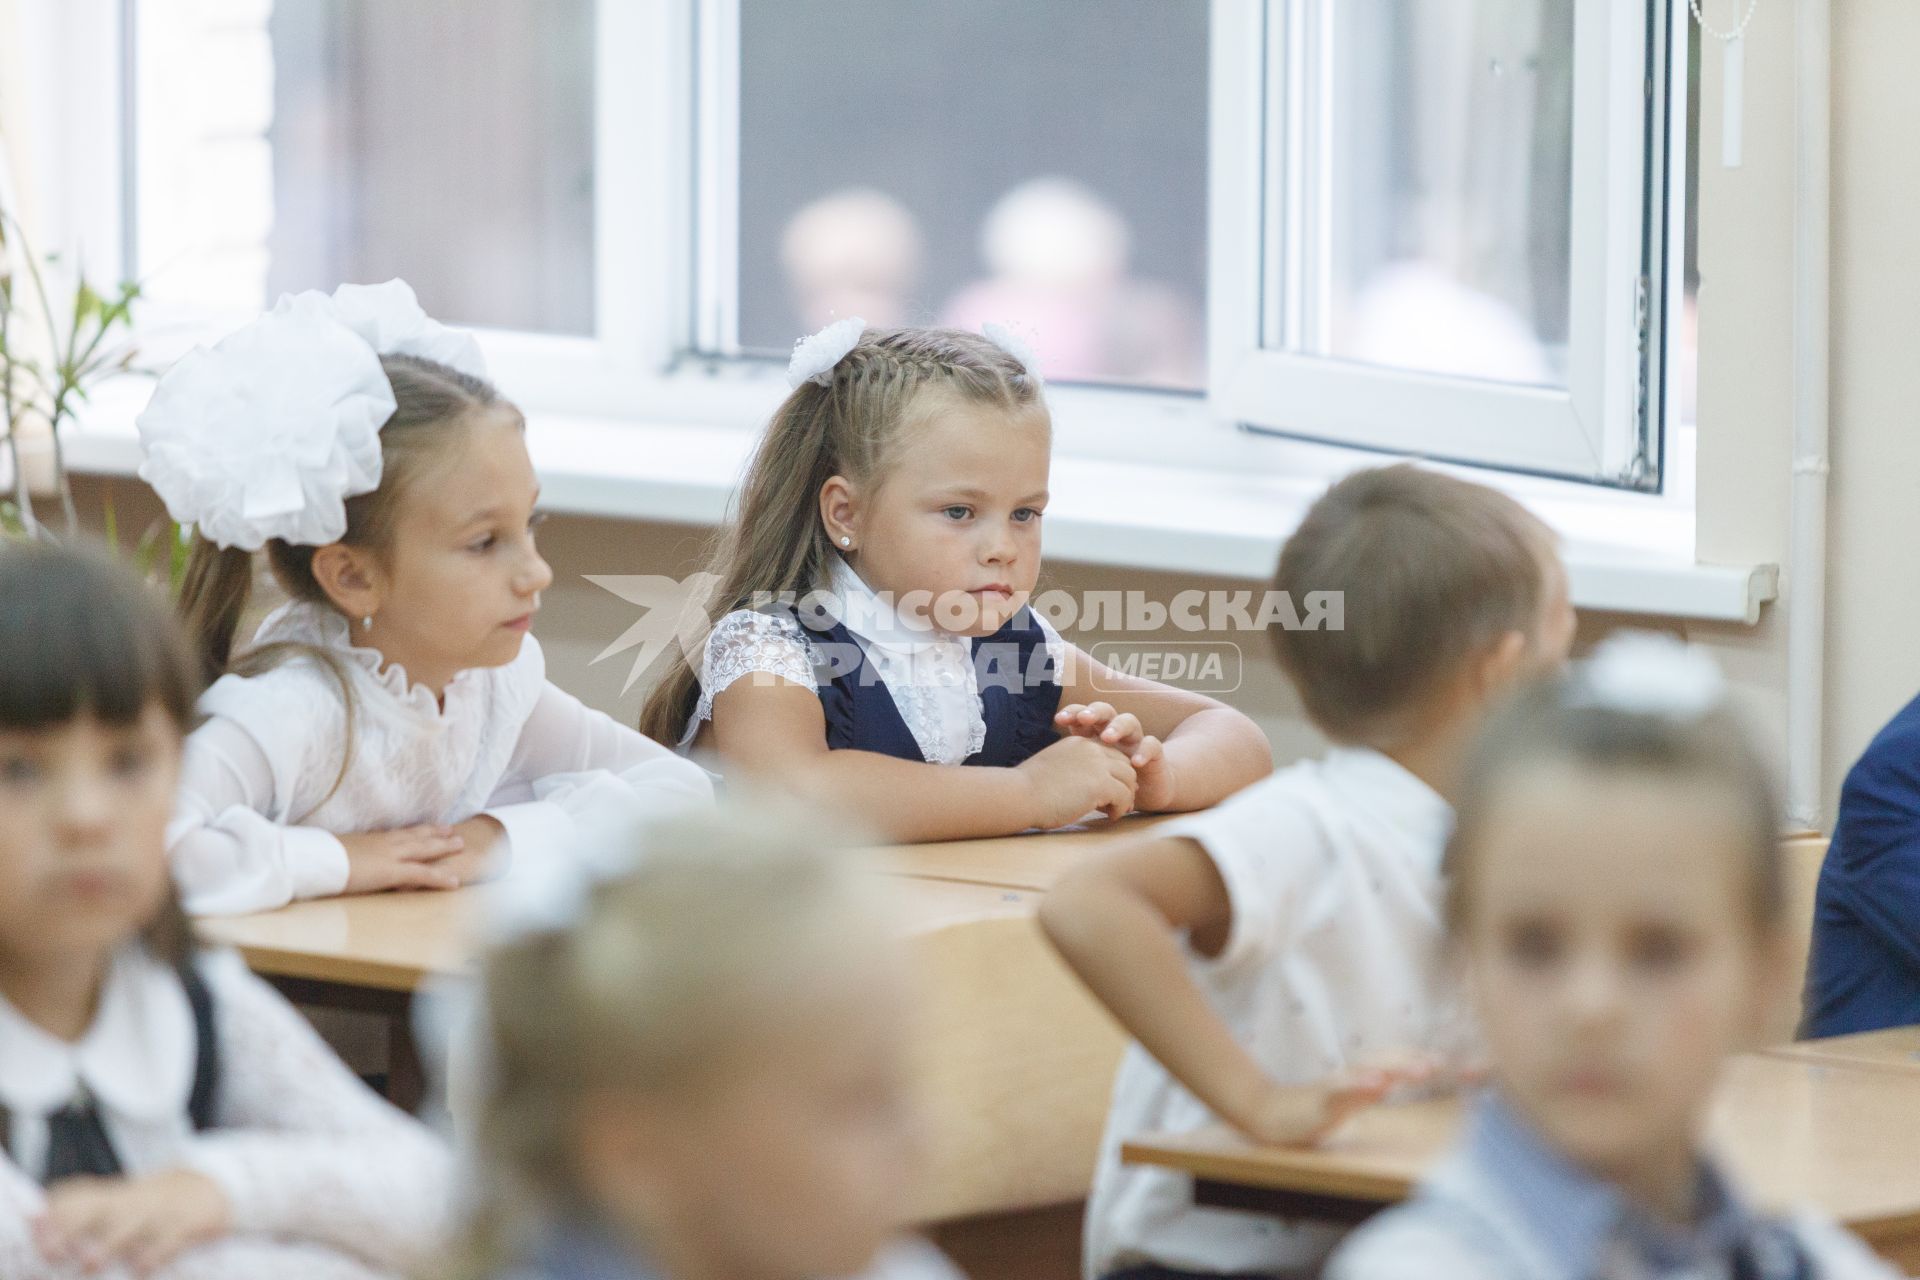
(366, 622)
(845, 541)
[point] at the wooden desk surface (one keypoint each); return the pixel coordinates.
(1795, 1132)
(1033, 861)
(1895, 1049)
(398, 941)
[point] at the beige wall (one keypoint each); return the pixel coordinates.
(1873, 628)
(1873, 632)
(1746, 245)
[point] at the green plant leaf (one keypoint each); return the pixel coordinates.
(86, 303)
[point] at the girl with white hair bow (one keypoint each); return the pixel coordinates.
(391, 726)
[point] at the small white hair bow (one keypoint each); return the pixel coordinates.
(1004, 337)
(1652, 674)
(815, 355)
(270, 431)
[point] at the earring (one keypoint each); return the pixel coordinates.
(366, 622)
(845, 541)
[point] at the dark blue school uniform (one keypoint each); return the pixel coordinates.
(1864, 973)
(1019, 694)
(1016, 672)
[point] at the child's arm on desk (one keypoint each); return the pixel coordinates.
(775, 732)
(1190, 751)
(1117, 922)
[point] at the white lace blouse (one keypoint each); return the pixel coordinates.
(324, 1178)
(260, 813)
(929, 673)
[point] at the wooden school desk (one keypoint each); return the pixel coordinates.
(1014, 1058)
(1842, 1138)
(1033, 861)
(1895, 1049)
(395, 942)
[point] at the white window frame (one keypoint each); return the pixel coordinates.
(1271, 134)
(666, 136)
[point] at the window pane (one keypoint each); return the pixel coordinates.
(919, 161)
(1448, 244)
(295, 144)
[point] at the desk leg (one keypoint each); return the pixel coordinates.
(406, 1081)
(1283, 1204)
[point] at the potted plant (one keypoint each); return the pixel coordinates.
(51, 357)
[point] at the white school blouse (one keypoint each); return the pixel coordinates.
(259, 812)
(324, 1178)
(1332, 867)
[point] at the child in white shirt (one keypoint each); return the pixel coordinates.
(392, 726)
(1616, 898)
(1263, 953)
(163, 1112)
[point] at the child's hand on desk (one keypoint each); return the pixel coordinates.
(140, 1223)
(1075, 776)
(1122, 731)
(404, 858)
(1293, 1115)
(483, 856)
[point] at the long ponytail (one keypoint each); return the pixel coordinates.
(213, 596)
(774, 542)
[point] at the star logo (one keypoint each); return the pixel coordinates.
(675, 612)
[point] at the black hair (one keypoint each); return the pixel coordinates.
(81, 633)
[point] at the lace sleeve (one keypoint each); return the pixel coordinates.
(304, 1150)
(745, 642)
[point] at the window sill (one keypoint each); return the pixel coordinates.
(1221, 523)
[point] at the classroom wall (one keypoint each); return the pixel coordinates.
(1746, 241)
(1746, 244)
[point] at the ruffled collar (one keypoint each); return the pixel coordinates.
(928, 671)
(299, 622)
(878, 622)
(136, 1058)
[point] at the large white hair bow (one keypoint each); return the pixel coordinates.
(269, 432)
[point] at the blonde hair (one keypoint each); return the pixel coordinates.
(669, 968)
(1431, 570)
(1713, 755)
(855, 426)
